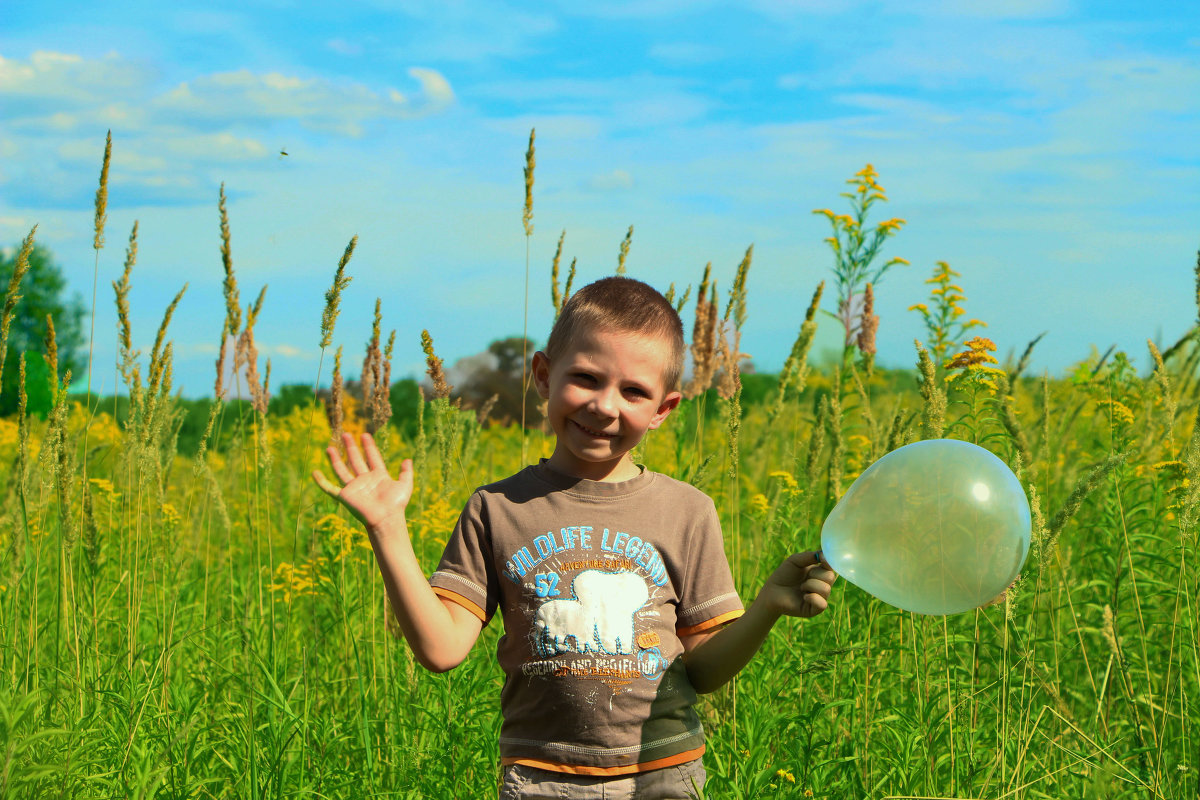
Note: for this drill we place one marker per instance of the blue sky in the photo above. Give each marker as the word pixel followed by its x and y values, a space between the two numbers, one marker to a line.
pixel 1046 149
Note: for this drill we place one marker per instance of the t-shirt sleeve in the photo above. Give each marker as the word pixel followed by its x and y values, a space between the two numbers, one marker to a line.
pixel 708 597
pixel 466 574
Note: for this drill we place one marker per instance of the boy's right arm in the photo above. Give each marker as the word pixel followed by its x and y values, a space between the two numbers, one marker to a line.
pixel 439 632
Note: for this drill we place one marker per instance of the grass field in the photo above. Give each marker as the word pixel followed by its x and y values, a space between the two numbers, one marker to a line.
pixel 208 624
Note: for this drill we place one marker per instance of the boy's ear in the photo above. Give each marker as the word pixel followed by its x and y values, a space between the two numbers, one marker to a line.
pixel 668 404
pixel 541 374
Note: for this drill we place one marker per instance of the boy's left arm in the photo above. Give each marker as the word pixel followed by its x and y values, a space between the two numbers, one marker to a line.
pixel 799 587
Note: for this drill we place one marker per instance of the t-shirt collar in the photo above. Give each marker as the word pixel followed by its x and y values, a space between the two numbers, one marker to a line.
pixel 582 486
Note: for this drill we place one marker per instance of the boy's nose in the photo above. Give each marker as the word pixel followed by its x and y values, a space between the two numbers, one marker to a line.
pixel 604 404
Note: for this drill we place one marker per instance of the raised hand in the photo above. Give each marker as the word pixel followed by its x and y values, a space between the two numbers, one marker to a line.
pixel 800 586
pixel 367 489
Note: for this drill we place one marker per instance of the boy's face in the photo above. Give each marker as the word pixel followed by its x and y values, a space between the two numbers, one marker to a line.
pixel 605 391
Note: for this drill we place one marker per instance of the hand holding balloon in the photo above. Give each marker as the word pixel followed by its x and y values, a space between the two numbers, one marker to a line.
pixel 800 586
pixel 935 527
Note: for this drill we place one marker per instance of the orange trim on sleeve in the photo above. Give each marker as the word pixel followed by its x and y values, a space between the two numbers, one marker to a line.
pixel 630 769
pixel 458 599
pixel 729 616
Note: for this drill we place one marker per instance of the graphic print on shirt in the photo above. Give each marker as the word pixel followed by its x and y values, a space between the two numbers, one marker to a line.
pixel 599 618
pixel 594 609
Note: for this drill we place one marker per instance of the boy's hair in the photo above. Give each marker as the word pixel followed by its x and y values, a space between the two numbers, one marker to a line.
pixel 625 305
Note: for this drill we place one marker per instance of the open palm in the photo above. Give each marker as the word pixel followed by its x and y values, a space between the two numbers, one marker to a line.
pixel 367 488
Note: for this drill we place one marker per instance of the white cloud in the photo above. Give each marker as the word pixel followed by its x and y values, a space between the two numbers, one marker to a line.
pixel 617 179
pixel 217 147
pixel 63 77
pixel 124 159
pixel 284 350
pixel 244 95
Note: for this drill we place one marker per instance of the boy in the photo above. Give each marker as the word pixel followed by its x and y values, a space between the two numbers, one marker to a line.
pixel 615 590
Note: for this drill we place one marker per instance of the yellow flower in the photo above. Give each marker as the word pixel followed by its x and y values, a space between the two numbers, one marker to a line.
pixel 343 535
pixel 170 517
pixel 924 309
pixel 105 488
pixel 1119 411
pixel 785 775
pixel 760 505
pixel 788 479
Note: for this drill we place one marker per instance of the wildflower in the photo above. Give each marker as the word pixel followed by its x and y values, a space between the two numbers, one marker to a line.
pixel 170 517
pixel 975 364
pixel 107 490
pixel 760 505
pixel 943 312
pixel 344 537
pixel 786 477
pixel 855 247
pixel 975 354
pixel 1118 411
pixel 785 775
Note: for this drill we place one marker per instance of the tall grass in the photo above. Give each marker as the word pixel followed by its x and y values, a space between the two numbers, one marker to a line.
pixel 162 646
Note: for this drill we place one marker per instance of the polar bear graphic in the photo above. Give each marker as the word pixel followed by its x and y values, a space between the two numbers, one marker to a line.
pixel 598 619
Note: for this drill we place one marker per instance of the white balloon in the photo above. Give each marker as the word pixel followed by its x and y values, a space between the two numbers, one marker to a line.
pixel 935 527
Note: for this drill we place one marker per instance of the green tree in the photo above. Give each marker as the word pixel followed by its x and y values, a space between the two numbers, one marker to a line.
pixel 43 292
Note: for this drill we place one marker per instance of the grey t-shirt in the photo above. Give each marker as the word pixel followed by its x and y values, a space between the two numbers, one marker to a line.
pixel 596 582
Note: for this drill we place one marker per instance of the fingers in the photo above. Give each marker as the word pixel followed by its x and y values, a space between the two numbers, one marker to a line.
pixel 814 565
pixel 816 602
pixel 339 467
pixel 406 470
pixel 804 560
pixel 374 458
pixel 827 576
pixel 354 454
pixel 324 483
pixel 816 587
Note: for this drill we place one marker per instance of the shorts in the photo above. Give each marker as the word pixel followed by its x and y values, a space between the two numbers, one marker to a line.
pixel 680 782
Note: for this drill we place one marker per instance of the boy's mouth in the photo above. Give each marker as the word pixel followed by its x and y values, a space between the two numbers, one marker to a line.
pixel 593 431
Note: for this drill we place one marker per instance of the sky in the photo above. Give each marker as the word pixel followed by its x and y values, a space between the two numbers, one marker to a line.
pixel 1048 150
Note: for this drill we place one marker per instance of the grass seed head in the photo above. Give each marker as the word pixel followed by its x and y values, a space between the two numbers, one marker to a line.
pixel 736 307
pixel 335 409
pixel 124 328
pixel 869 325
pixel 704 337
pixel 156 361
pixel 441 389
pixel 624 251
pixel 334 295
pixel 51 354
pixel 233 307
pixel 223 349
pixel 102 195
pixel 13 296
pixel 933 416
pixel 555 293
pixel 530 163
